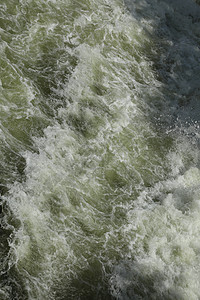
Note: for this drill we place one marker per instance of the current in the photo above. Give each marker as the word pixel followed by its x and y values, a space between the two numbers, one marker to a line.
pixel 100 149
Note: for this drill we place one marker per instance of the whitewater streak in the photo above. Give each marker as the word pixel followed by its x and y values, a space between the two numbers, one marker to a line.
pixel 99 149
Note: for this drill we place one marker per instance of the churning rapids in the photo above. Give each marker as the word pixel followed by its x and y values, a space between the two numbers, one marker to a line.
pixel 99 149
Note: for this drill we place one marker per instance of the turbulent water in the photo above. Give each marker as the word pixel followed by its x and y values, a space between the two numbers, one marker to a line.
pixel 99 149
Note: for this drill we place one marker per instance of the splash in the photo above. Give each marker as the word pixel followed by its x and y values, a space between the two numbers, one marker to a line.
pixel 100 149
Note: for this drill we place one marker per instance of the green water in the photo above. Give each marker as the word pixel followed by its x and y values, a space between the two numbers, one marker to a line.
pixel 99 149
